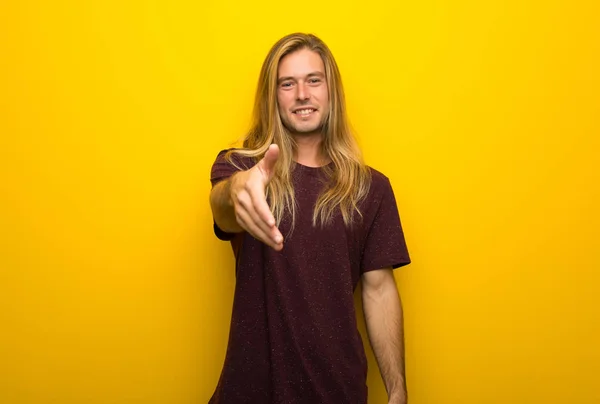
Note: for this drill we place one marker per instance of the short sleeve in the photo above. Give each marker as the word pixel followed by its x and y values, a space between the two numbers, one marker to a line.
pixel 222 170
pixel 385 245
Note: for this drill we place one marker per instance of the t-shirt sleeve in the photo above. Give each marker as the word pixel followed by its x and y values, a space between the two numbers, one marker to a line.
pixel 385 245
pixel 220 171
pixel 223 169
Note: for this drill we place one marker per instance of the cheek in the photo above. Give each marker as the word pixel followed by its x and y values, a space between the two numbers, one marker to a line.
pixel 323 96
pixel 283 100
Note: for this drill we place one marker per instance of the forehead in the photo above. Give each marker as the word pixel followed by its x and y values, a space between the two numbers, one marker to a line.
pixel 301 63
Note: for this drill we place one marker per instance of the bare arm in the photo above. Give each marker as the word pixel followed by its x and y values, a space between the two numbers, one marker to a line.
pixel 384 320
pixel 239 203
pixel 222 207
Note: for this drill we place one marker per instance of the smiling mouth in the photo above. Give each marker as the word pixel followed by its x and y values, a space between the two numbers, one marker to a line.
pixel 304 111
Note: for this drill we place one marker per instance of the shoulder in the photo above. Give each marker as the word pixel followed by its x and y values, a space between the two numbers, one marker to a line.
pixel 380 183
pixel 227 163
pixel 380 189
pixel 235 157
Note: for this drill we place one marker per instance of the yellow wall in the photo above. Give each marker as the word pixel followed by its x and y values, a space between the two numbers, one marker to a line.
pixel 485 115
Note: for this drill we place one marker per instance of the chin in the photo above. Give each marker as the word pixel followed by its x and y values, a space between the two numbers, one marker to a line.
pixel 309 128
pixel 308 131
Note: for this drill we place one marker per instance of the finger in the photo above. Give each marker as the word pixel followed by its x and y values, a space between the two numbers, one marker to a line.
pixel 251 202
pixel 247 224
pixel 261 207
pixel 267 164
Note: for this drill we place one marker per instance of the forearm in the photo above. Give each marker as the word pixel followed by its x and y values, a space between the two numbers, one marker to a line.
pixel 222 207
pixel 384 319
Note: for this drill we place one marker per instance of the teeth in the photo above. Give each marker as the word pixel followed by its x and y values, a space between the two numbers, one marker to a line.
pixel 304 111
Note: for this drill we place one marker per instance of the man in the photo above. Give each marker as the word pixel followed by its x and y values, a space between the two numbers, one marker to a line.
pixel 307 220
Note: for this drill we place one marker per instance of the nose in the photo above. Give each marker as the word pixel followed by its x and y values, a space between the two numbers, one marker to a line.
pixel 303 92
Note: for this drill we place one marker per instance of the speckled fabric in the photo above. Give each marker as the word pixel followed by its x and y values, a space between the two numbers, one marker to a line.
pixel 294 336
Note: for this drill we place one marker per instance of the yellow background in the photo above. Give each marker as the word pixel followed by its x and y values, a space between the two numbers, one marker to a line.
pixel 485 116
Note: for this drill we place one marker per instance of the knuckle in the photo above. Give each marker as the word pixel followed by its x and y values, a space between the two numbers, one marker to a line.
pixel 238 209
pixel 236 196
pixel 238 217
pixel 241 203
pixel 244 199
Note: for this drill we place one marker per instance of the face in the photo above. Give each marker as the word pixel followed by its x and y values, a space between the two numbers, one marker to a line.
pixel 302 92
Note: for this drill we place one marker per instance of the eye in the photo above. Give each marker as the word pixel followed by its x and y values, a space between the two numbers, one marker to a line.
pixel 286 84
pixel 314 80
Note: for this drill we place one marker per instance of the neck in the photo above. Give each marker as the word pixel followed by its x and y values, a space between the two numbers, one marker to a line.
pixel 308 150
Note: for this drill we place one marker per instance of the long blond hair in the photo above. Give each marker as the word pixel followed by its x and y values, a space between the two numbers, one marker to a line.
pixel 349 179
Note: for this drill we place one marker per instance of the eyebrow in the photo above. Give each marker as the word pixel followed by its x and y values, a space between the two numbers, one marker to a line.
pixel 312 74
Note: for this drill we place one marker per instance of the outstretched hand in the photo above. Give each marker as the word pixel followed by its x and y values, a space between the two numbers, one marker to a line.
pixel 247 193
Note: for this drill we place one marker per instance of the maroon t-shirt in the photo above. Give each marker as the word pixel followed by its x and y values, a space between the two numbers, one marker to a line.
pixel 294 336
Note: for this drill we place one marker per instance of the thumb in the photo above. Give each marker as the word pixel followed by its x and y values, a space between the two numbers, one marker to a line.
pixel 267 164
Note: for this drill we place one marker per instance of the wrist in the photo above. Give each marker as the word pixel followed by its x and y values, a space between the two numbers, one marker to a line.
pixel 397 399
pixel 397 396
